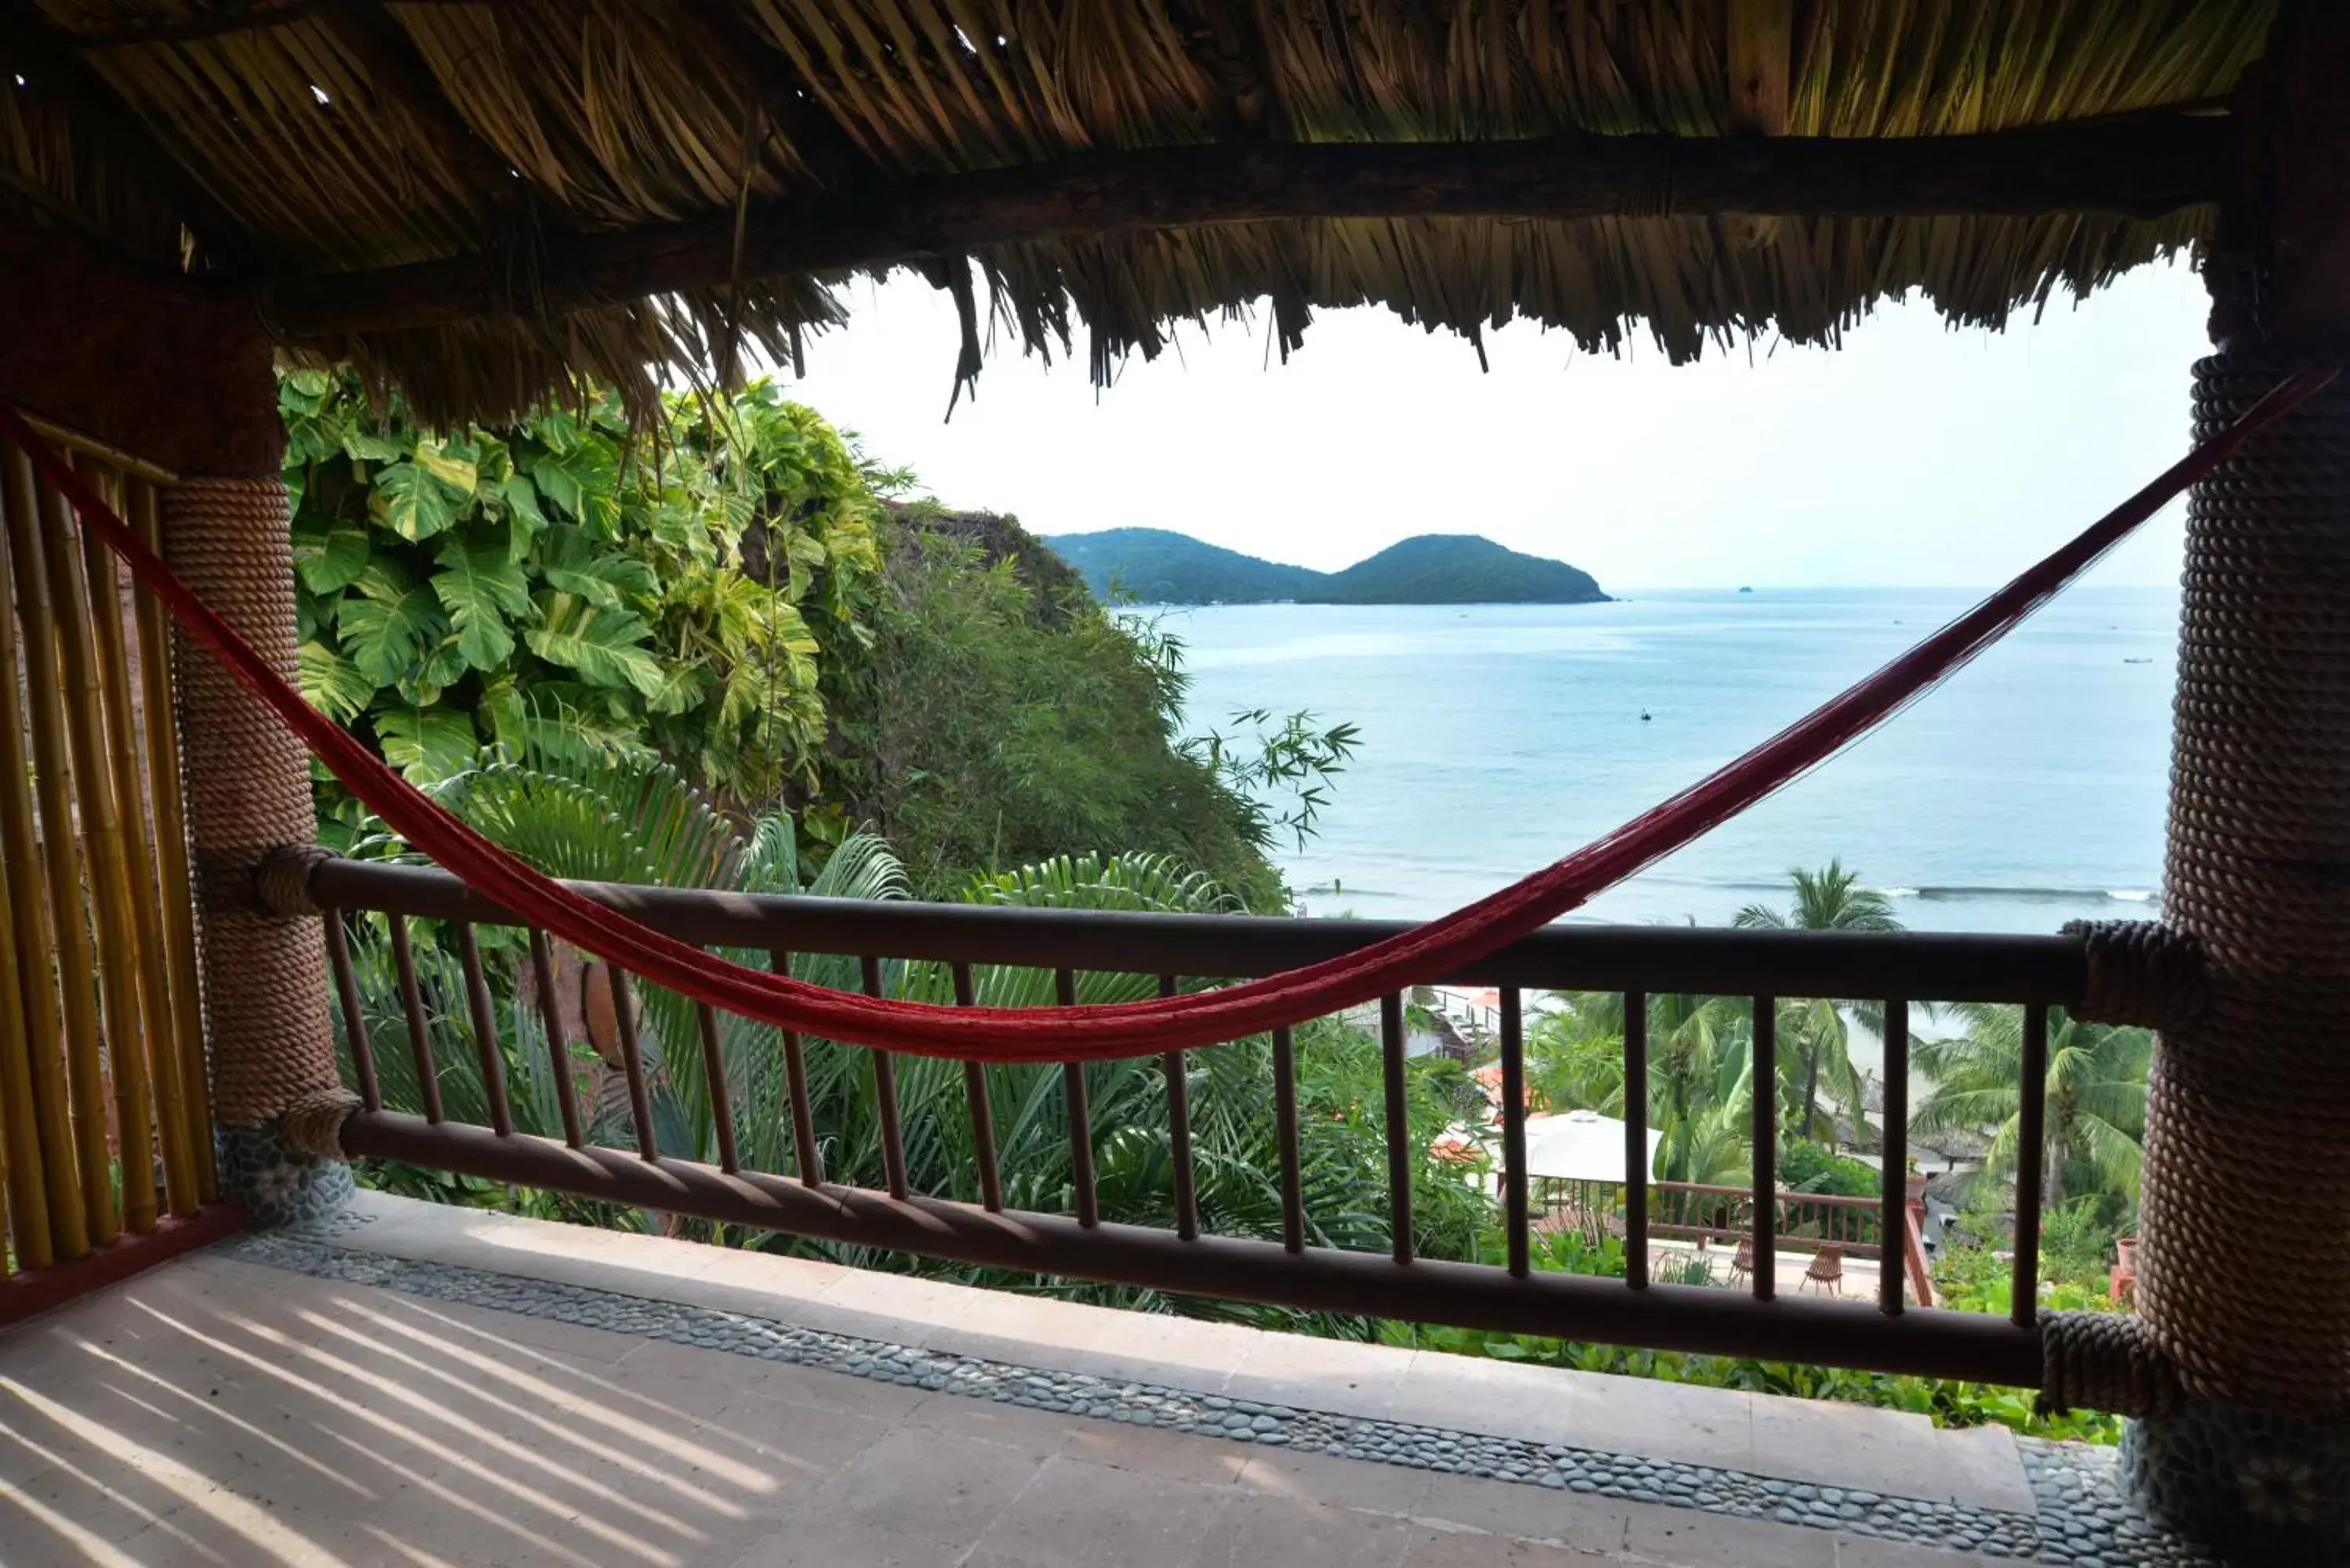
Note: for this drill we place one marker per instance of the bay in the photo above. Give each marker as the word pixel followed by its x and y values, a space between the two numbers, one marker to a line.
pixel 2026 792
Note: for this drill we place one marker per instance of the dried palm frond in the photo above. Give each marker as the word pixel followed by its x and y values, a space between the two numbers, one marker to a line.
pixel 543 121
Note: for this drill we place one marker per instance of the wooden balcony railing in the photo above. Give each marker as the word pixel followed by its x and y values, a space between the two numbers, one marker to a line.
pixel 1892 1333
pixel 1803 1222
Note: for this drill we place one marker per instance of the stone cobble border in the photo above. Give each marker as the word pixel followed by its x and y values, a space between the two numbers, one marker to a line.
pixel 2083 1521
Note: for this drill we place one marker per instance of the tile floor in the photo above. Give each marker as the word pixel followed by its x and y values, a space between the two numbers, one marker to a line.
pixel 218 1412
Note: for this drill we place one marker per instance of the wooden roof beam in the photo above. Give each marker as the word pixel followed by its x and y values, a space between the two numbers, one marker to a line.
pixel 2140 167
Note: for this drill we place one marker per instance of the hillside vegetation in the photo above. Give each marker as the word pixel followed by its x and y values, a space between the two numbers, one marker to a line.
pixel 738 600
pixel 1154 566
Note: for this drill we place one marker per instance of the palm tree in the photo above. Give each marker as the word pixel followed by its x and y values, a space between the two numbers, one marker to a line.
pixel 1700 1092
pixel 2095 1095
pixel 1828 899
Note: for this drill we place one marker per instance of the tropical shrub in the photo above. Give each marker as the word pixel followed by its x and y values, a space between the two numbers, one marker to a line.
pixel 1808 1168
pixel 1003 717
pixel 1948 1402
pixel 542 585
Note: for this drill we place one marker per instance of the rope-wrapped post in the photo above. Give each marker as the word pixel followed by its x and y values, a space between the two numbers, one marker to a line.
pixel 2243 1272
pixel 277 1099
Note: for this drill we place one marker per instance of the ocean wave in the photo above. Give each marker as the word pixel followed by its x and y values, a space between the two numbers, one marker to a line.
pixel 2028 894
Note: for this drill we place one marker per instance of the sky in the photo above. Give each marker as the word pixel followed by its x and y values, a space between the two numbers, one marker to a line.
pixel 1915 455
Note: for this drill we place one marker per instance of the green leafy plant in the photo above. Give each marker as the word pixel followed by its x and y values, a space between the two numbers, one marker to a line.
pixel 545 585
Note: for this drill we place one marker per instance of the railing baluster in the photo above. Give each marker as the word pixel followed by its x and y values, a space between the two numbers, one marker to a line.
pixel 1284 1121
pixel 983 1114
pixel 411 1007
pixel 1514 1218
pixel 1890 1254
pixel 558 1056
pixel 1081 1116
pixel 2029 1157
pixel 1636 1139
pixel 803 1144
pixel 483 1016
pixel 1766 1081
pixel 714 1073
pixel 1179 1132
pixel 1398 1121
pixel 885 1092
pixel 347 990
pixel 632 1060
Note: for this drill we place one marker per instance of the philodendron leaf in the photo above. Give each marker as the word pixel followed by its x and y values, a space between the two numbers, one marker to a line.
pixel 584 480
pixel 480 587
pixel 454 463
pixel 427 744
pixel 572 562
pixel 390 625
pixel 329 556
pixel 332 683
pixel 413 502
pixel 601 645
pixel 524 521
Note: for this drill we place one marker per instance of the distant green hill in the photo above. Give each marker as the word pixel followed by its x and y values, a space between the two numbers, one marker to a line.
pixel 1154 566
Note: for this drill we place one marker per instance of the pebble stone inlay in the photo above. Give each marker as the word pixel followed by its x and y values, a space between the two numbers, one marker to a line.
pixel 2083 1521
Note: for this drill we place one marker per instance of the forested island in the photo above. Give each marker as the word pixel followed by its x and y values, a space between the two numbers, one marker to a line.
pixel 1156 565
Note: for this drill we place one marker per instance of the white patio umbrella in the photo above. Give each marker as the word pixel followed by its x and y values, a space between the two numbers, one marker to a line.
pixel 1581 1146
pixel 1584 1149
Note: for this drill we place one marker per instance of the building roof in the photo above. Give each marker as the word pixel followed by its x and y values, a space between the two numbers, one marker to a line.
pixel 480 200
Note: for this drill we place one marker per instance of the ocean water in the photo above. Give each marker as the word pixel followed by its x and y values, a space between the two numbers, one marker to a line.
pixel 2026 792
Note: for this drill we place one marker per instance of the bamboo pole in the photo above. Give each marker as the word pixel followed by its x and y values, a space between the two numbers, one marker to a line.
pixel 44 1195
pixel 58 858
pixel 141 902
pixel 160 692
pixel 21 1172
pixel 106 863
pixel 31 952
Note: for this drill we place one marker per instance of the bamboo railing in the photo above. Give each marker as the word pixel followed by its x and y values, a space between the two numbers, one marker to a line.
pixel 105 1122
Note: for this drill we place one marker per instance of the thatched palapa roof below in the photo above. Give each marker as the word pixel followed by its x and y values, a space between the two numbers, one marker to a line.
pixel 481 201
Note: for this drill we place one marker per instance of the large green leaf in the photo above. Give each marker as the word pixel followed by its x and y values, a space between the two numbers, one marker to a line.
pixel 427 744
pixel 481 586
pixel 604 577
pixel 524 521
pixel 584 480
pixel 414 501
pixel 391 625
pixel 602 645
pixel 332 683
pixel 329 555
pixel 456 465
pixel 368 447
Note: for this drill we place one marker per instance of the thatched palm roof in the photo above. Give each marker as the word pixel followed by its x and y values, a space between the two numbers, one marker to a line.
pixel 481 200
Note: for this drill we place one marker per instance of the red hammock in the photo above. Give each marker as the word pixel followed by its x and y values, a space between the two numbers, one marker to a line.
pixel 1142 1028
